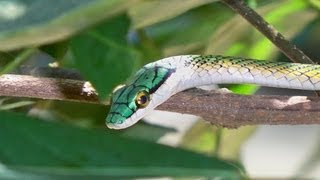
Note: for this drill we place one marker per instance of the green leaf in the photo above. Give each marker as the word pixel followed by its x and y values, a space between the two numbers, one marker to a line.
pixel 279 17
pixel 56 50
pixel 37 22
pixel 18 104
pixel 152 12
pixel 200 138
pixel 38 148
pixel 278 13
pixel 189 31
pixel 232 140
pixel 103 55
pixel 19 59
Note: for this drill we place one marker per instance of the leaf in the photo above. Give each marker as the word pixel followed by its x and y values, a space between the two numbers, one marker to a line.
pixel 19 59
pixel 280 17
pixel 16 105
pixel 232 140
pixel 38 148
pixel 189 31
pixel 147 132
pixel 37 22
pixel 236 30
pixel 152 12
pixel 200 138
pixel 56 50
pixel 103 55
pixel 223 142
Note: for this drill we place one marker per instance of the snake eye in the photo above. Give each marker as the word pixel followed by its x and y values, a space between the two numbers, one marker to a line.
pixel 142 99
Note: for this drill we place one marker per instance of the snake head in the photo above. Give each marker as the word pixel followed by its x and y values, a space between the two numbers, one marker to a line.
pixel 127 102
pixel 141 95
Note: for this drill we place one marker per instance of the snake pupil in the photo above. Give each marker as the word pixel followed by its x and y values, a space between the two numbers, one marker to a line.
pixel 142 99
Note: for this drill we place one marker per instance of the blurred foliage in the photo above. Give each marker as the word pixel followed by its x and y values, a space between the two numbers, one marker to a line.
pixel 107 41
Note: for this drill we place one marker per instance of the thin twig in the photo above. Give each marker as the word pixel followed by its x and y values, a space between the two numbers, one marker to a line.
pixel 290 50
pixel 223 109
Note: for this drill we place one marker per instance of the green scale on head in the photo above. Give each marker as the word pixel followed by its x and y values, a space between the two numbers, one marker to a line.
pixel 136 95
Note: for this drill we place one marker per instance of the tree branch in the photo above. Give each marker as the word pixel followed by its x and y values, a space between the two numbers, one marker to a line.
pixel 47 88
pixel 231 110
pixel 223 109
pixel 290 50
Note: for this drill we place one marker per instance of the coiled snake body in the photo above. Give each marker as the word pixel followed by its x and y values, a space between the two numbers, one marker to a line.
pixel 156 82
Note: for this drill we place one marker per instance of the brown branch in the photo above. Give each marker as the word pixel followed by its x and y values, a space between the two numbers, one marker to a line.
pixel 231 110
pixel 47 88
pixel 290 50
pixel 223 109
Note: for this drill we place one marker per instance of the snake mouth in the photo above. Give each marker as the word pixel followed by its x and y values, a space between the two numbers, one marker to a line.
pixel 126 123
pixel 115 126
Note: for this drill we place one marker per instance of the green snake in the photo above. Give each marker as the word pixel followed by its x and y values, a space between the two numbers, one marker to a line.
pixel 154 83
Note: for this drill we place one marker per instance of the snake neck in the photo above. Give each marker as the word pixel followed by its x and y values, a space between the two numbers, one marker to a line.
pixel 195 70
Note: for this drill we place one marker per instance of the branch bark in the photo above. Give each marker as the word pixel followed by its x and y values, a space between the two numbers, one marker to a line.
pixel 47 88
pixel 232 111
pixel 216 107
pixel 290 50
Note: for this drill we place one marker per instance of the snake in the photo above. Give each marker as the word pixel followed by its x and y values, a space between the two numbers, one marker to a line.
pixel 157 81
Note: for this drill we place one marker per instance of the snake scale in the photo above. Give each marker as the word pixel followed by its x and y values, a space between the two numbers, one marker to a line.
pixel 157 81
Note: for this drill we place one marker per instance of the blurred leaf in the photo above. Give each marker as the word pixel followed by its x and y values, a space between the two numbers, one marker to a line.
pixel 92 116
pixel 16 105
pixel 147 132
pixel 147 47
pixel 24 55
pixel 103 55
pixel 152 12
pixel 83 114
pixel 238 30
pixel 315 3
pixel 200 138
pixel 41 148
pixel 56 50
pixel 5 58
pixel 189 32
pixel 232 140
pixel 213 140
pixel 310 163
pixel 243 88
pixel 36 22
pixel 279 17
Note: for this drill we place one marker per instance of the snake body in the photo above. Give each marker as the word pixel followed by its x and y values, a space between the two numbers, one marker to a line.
pixel 157 81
